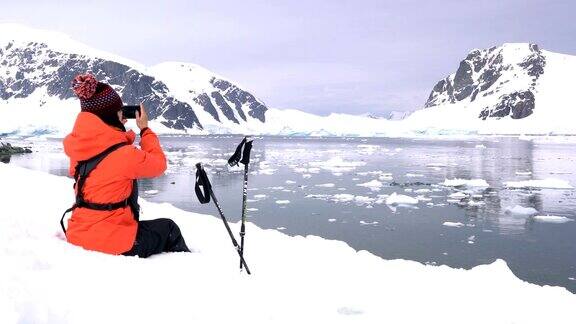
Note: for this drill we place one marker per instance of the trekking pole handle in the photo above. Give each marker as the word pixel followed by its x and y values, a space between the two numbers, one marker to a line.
pixel 246 152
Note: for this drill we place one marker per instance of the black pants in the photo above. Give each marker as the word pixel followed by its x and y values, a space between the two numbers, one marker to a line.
pixel 157 236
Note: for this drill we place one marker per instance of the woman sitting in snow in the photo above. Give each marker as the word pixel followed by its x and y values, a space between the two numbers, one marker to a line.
pixel 105 216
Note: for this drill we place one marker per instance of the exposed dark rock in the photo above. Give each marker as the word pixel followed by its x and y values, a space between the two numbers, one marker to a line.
pixel 204 101
pixel 535 63
pixel 224 107
pixel 239 98
pixel 7 150
pixel 463 76
pixel 517 105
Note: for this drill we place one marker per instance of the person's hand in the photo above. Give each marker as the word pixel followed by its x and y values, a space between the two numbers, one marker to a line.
pixel 142 119
pixel 121 117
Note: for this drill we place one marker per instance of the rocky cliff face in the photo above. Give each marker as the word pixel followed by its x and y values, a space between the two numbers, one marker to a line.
pixel 506 76
pixel 33 66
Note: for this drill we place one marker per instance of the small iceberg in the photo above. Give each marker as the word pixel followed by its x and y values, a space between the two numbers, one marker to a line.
pixel 396 199
pixel 453 224
pixel 519 210
pixel 465 183
pixel 458 195
pixel 326 185
pixel 552 219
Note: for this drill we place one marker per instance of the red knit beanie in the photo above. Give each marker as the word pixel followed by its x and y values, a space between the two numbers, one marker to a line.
pixel 97 98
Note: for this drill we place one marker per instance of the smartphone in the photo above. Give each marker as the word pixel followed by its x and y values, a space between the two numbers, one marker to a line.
pixel 129 112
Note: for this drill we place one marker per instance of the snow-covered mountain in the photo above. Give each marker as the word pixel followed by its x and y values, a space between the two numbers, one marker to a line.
pixel 36 69
pixel 514 88
pixel 508 75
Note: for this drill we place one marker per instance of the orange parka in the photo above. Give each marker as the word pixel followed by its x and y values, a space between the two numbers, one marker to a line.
pixel 113 231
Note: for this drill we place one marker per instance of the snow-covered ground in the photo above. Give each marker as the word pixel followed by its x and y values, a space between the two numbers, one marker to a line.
pixel 298 279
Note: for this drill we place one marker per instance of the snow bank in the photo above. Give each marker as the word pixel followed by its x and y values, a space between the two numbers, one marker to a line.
pixel 298 279
pixel 549 183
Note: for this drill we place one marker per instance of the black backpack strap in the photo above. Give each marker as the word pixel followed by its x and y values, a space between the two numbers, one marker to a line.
pixel 83 169
pixel 203 193
pixel 63 215
pixel 133 200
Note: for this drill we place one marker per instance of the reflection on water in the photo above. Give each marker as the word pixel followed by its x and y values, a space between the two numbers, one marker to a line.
pixel 337 189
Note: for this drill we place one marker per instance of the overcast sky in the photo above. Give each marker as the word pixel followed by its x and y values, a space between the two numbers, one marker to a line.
pixel 317 56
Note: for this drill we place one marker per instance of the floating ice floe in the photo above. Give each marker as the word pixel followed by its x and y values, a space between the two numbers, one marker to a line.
pixel 458 195
pixel 471 239
pixel 465 182
pixel 396 199
pixel 260 196
pixel 282 202
pixel 386 177
pixel 367 149
pixel 325 185
pixel 373 185
pixel 519 210
pixel 368 223
pixel 453 224
pixel 252 209
pixel 549 183
pixel 318 196
pixel 306 176
pixel 337 164
pixel 414 175
pixel 521 173
pixel 266 171
pixel 480 146
pixel 363 200
pixel 343 197
pixel 151 192
pixel 331 220
pixel 436 165
pixel 290 182
pixel 552 219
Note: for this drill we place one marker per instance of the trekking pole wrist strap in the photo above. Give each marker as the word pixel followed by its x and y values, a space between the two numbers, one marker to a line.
pixel 202 187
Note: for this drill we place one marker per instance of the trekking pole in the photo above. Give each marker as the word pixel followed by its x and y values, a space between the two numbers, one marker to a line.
pixel 204 195
pixel 244 147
